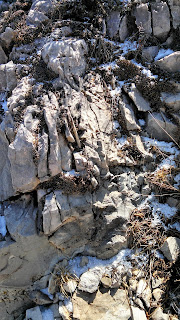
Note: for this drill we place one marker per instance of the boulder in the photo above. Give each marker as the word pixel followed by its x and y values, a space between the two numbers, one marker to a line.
pixel 171 248
pixel 113 23
pixel 51 215
pixel 171 100
pixel 6 188
pixel 160 127
pixel 20 154
pixel 35 18
pixel 149 53
pixel 8 79
pixel 43 6
pixel 129 117
pixel 137 313
pixel 143 17
pixel 105 306
pixel 89 281
pixel 8 36
pixel 160 20
pixel 123 29
pixel 141 104
pixel 65 58
pixel 170 63
pixel 3 57
pixel 34 314
pixel 159 315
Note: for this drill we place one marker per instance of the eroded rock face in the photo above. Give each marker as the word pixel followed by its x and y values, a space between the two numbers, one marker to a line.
pixel 161 20
pixel 170 63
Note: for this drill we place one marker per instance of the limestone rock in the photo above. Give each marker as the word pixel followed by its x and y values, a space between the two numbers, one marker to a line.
pixel 89 281
pixel 171 248
pixel 113 22
pixel 6 188
pixel 43 157
pixel 170 63
pixel 129 117
pixel 65 58
pixel 137 313
pixel 3 57
pixel 19 93
pixel 8 79
pixel 172 100
pixel 150 53
pixel 34 314
pixel 21 219
pixel 66 157
pixel 70 286
pixel 43 6
pixel 158 294
pixel 39 297
pixel 7 36
pixel 141 104
pixel 35 18
pixel 80 161
pixel 123 29
pixel 23 169
pixel 157 123
pixel 143 17
pixel 51 215
pixel 101 306
pixel 159 315
pixel 160 20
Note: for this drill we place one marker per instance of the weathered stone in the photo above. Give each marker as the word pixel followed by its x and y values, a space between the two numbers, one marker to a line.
pixel 51 113
pixel 158 294
pixel 101 306
pixel 35 18
pixel 64 313
pixel 171 248
pixel 160 127
pixel 171 100
pixel 70 286
pixel 23 169
pixel 43 6
pixel 34 314
pixel 113 22
pixel 80 161
pixel 143 18
pixel 51 215
pixel 170 63
pixel 129 117
pixel 139 144
pixel 106 281
pixel 159 315
pixel 66 156
pixel 43 154
pixel 3 57
pixel 21 219
pixel 7 36
pixel 19 94
pixel 137 313
pixel 6 188
pixel 89 281
pixel 150 53
pixel 123 29
pixel 39 297
pixel 160 20
pixel 65 58
pixel 8 79
pixel 141 104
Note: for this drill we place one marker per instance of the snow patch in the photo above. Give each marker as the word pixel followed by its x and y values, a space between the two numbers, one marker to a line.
pixel 47 314
pixel 45 291
pixel 142 122
pixel 3 102
pixel 163 53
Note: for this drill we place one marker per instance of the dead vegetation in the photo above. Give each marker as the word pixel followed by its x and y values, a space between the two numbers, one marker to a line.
pixel 162 180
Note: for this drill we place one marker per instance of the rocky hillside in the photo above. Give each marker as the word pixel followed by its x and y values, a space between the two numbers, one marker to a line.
pixel 90 159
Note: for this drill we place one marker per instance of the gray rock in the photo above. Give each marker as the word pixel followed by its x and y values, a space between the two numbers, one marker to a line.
pixel 175 12
pixel 141 104
pixel 35 18
pixel 123 29
pixel 43 6
pixel 159 315
pixel 137 313
pixel 3 57
pixel 129 117
pixel 172 100
pixel 170 63
pixel 70 286
pixel 80 161
pixel 8 80
pixel 158 294
pixel 43 157
pixel 19 93
pixel 160 127
pixel 160 20
pixel 21 219
pixel 143 18
pixel 7 36
pixel 39 297
pixel 150 53
pixel 89 281
pixel 23 169
pixel 34 314
pixel 171 248
pixel 113 23
pixel 51 215
pixel 65 58
pixel 66 156
pixel 6 188
pixel 51 115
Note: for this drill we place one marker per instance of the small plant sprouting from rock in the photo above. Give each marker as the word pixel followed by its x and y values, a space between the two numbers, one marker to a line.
pixel 62 276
